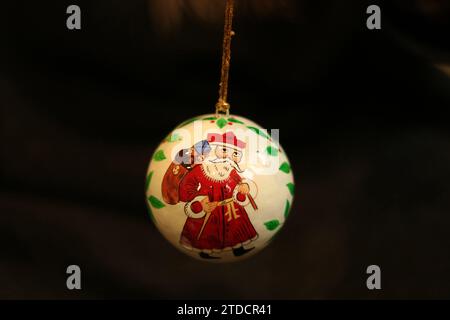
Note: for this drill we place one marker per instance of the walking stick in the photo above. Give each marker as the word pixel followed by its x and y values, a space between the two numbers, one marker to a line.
pixel 252 202
pixel 208 214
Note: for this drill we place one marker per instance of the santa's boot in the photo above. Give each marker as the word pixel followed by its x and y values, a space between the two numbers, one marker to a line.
pixel 241 251
pixel 204 255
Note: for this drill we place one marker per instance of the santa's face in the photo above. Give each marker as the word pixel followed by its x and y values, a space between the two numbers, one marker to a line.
pixel 218 165
pixel 224 152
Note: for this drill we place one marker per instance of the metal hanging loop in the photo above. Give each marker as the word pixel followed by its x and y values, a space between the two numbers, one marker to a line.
pixel 222 106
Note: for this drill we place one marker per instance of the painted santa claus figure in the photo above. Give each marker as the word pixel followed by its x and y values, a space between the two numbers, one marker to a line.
pixel 215 195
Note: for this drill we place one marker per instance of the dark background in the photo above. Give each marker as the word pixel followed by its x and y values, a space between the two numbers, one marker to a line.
pixel 363 117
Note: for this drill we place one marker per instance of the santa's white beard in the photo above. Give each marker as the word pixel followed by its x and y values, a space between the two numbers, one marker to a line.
pixel 219 169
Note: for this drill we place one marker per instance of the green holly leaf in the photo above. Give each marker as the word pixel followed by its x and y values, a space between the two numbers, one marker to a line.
pixel 291 188
pixel 148 180
pixel 189 121
pixel 259 131
pixel 285 167
pixel 174 137
pixel 210 119
pixel 222 122
pixel 155 202
pixel 272 225
pixel 235 120
pixel 272 151
pixel 159 156
pixel 286 209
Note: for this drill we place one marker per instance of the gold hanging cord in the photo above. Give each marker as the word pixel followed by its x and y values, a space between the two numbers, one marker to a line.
pixel 222 106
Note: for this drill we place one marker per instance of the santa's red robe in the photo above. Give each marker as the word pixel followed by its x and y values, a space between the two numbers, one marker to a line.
pixel 228 226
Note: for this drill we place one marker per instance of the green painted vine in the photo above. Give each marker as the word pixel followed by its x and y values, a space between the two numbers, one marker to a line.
pixel 272 225
pixel 159 156
pixel 148 180
pixel 291 188
pixel 285 167
pixel 156 203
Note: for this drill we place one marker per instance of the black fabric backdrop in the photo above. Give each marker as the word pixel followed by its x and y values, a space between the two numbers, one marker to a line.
pixel 363 117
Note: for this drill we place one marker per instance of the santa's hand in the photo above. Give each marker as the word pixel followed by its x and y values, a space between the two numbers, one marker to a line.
pixel 244 188
pixel 208 206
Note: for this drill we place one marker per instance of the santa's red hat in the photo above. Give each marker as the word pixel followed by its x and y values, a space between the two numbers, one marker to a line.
pixel 228 139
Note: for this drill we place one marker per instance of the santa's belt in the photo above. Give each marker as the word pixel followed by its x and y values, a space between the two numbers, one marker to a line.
pixel 230 212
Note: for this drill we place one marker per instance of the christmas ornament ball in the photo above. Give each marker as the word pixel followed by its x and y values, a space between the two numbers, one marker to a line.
pixel 219 187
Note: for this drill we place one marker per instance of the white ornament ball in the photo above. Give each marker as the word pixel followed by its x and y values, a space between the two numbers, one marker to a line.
pixel 219 188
